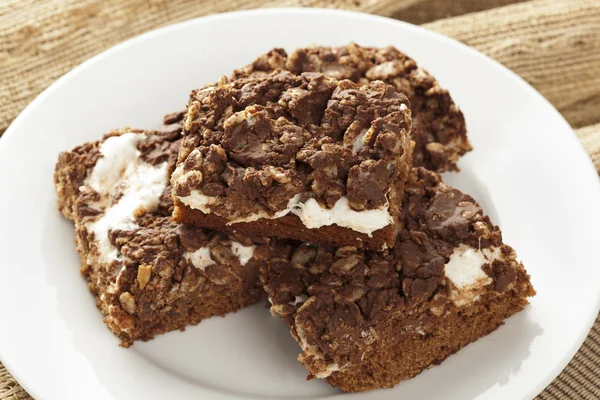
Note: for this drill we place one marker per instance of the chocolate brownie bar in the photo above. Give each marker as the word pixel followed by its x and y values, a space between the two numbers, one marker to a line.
pixel 149 275
pixel 438 128
pixel 295 156
pixel 367 320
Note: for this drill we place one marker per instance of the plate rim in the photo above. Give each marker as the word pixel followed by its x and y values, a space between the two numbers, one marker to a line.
pixel 20 374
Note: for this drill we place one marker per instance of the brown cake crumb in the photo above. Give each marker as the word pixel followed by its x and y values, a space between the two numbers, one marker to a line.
pixel 438 129
pixel 323 153
pixel 367 320
pixel 149 274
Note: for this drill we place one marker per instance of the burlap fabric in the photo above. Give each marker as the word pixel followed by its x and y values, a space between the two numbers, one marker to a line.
pixel 553 44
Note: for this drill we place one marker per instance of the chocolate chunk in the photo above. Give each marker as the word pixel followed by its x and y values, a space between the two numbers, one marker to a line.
pixel 173 118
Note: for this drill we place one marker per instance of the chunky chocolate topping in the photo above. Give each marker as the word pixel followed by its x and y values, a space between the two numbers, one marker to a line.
pixel 251 144
pixel 435 220
pixel 439 129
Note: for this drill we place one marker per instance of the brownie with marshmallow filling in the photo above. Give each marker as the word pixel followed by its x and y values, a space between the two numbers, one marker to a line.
pixel 367 320
pixel 305 157
pixel 149 275
pixel 438 129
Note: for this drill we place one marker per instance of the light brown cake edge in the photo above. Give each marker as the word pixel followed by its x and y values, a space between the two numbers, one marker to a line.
pixel 288 227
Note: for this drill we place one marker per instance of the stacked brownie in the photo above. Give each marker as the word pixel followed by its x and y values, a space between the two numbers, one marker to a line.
pixel 438 130
pixel 303 157
pixel 311 178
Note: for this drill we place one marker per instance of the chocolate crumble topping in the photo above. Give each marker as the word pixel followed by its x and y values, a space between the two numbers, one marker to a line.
pixel 438 128
pixel 254 143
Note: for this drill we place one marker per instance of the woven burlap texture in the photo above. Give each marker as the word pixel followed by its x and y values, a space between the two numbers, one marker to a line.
pixel 553 44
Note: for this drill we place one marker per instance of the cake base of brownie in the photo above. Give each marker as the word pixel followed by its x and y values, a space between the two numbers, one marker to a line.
pixel 188 311
pixel 289 226
pixel 151 319
pixel 394 363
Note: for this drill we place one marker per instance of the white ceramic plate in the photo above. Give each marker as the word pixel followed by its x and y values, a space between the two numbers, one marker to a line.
pixel 528 169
